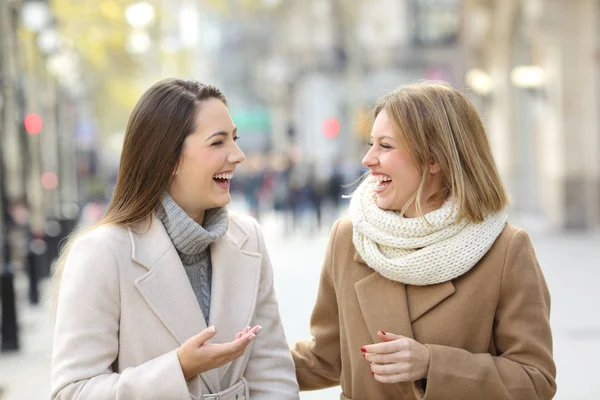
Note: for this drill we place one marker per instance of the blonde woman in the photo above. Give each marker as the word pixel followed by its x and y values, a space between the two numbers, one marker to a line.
pixel 426 292
pixel 171 297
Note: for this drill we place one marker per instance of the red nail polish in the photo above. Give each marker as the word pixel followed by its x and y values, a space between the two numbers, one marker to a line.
pixel 364 356
pixel 363 349
pixel 383 333
pixel 373 373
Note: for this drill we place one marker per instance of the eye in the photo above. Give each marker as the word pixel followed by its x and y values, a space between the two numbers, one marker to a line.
pixel 235 139
pixel 217 144
pixel 370 144
pixel 386 146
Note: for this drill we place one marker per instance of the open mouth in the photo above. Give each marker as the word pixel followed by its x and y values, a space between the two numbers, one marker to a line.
pixel 223 180
pixel 381 182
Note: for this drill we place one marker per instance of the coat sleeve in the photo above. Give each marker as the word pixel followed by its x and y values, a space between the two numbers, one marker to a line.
pixel 86 339
pixel 524 368
pixel 318 360
pixel 270 369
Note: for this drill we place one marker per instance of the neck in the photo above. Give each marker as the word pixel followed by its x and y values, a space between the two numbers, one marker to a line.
pixel 427 206
pixel 430 199
pixel 193 212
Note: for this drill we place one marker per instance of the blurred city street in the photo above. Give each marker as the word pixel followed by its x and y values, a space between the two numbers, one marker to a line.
pixel 569 262
pixel 301 78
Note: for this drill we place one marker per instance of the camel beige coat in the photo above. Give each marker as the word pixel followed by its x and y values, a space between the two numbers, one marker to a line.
pixel 488 331
pixel 126 304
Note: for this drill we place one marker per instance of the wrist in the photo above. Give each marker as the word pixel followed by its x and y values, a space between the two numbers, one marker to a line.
pixel 183 364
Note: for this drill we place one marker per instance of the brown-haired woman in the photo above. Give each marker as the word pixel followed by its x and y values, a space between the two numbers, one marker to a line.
pixel 426 292
pixel 151 302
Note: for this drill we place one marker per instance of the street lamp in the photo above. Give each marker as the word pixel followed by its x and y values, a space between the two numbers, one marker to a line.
pixel 140 15
pixel 35 15
pixel 528 76
pixel 139 42
pixel 48 41
pixel 480 81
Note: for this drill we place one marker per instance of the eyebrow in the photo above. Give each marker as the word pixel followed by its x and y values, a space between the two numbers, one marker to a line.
pixel 222 133
pixel 383 137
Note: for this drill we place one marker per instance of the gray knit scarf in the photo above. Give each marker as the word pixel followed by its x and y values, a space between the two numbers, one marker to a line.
pixel 192 242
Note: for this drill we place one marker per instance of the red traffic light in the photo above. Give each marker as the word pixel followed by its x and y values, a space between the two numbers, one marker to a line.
pixel 330 127
pixel 33 124
pixel 49 180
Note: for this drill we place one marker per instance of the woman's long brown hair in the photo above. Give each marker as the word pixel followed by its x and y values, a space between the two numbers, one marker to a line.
pixel 161 120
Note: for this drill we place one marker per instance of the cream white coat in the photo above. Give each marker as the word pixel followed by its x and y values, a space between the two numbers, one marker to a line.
pixel 126 305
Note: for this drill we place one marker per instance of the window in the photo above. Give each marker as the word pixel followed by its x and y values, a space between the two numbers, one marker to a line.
pixel 435 22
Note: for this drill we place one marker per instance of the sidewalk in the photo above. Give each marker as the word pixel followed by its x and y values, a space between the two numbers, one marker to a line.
pixel 25 375
pixel 571 265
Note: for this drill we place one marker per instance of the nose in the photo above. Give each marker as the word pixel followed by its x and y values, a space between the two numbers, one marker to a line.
pixel 236 156
pixel 370 159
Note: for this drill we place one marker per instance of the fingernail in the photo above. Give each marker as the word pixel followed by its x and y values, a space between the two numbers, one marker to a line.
pixel 252 336
pixel 258 329
pixel 373 373
pixel 363 349
pixel 212 329
pixel 383 333
pixel 364 356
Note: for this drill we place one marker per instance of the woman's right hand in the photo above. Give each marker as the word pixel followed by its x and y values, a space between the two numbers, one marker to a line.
pixel 197 356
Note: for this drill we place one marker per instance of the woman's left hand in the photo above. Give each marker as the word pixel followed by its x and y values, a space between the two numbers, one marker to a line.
pixel 397 359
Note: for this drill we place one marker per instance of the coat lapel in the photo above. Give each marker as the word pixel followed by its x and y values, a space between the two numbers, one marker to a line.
pixel 421 299
pixel 383 303
pixel 167 290
pixel 236 277
pixel 415 300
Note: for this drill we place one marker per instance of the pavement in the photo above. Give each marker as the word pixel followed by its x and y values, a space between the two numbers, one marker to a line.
pixel 571 264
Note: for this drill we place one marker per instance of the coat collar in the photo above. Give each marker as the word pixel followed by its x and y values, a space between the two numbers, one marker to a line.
pixel 149 243
pixel 415 300
pixel 167 290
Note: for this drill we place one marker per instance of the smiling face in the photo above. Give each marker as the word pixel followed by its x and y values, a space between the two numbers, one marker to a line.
pixel 391 165
pixel 397 172
pixel 207 163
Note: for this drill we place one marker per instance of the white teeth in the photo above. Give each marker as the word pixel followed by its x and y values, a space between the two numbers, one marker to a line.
pixel 223 176
pixel 380 178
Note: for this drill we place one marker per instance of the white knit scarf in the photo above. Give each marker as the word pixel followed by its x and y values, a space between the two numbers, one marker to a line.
pixel 409 250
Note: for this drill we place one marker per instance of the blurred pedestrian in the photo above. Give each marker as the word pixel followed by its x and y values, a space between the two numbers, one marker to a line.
pixel 253 183
pixel 153 302
pixel 426 291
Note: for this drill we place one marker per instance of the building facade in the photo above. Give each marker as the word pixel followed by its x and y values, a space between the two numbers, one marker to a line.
pixel 542 106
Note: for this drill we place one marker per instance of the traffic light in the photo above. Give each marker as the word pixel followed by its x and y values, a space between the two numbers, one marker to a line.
pixel 49 180
pixel 33 124
pixel 330 127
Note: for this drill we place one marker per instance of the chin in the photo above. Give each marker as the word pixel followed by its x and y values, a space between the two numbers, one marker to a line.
pixel 387 205
pixel 223 201
pixel 381 203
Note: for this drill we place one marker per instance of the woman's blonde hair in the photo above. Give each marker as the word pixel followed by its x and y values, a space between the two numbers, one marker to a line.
pixel 161 120
pixel 437 123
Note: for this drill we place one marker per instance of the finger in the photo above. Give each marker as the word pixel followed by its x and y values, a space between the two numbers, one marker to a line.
pixel 205 335
pixel 239 335
pixel 395 378
pixel 239 344
pixel 255 329
pixel 388 336
pixel 388 369
pixel 385 347
pixel 246 329
pixel 383 358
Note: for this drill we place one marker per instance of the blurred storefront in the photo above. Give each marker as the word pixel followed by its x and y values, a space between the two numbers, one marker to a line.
pixel 535 68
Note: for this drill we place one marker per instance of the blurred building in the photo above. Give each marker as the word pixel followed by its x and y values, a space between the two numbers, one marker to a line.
pixel 531 67
pixel 332 59
pixel 536 69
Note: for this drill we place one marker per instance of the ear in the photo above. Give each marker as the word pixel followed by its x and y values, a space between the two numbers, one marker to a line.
pixel 434 167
